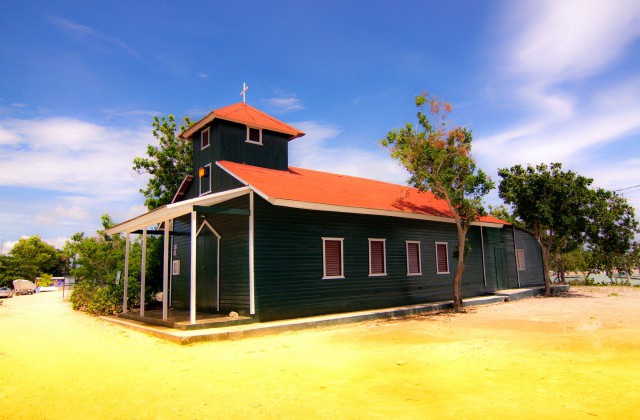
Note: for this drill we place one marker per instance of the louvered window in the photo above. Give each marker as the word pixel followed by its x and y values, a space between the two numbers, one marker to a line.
pixel 333 258
pixel 377 260
pixel 413 258
pixel 442 258
pixel 520 259
pixel 254 135
pixel 204 138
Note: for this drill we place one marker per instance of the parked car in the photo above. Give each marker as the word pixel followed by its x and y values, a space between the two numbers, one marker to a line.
pixel 22 286
pixel 6 292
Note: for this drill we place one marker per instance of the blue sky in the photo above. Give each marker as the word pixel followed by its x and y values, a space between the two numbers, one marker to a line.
pixel 536 81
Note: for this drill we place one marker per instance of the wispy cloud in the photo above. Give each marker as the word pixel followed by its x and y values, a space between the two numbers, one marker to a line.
pixel 95 38
pixel 284 104
pixel 117 112
pixel 320 149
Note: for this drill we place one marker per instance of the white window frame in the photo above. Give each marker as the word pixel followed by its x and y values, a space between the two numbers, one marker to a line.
pixel 324 258
pixel 176 268
pixel 419 273
pixel 446 244
pixel 384 257
pixel 520 262
pixel 260 135
pixel 202 146
pixel 208 165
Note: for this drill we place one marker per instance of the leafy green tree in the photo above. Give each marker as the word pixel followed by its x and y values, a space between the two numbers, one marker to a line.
pixel 167 164
pixel 612 230
pixel 551 203
pixel 96 258
pixel 438 157
pixel 29 258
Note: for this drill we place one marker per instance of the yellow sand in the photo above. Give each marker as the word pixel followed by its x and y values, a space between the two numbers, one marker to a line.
pixel 571 357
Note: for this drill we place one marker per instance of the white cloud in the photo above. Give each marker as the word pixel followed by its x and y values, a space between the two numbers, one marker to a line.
pixel 67 173
pixel 285 104
pixel 320 149
pixel 570 39
pixel 72 156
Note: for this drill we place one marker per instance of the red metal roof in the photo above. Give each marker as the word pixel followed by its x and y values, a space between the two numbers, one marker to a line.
pixel 244 114
pixel 327 189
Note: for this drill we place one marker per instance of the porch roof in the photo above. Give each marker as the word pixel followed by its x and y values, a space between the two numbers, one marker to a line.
pixel 171 211
pixel 316 190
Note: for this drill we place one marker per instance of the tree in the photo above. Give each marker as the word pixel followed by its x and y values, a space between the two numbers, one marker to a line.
pixel 29 258
pixel 167 163
pixel 551 203
pixel 96 258
pixel 612 230
pixel 438 157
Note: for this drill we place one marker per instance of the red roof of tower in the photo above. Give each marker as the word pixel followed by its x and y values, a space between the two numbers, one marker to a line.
pixel 244 114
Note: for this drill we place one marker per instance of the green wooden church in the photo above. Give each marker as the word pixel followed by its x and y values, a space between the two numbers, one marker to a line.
pixel 250 234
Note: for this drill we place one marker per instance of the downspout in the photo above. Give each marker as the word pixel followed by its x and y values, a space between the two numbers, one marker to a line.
pixel 515 254
pixel 484 269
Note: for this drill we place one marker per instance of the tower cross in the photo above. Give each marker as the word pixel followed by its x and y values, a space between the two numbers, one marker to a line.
pixel 244 92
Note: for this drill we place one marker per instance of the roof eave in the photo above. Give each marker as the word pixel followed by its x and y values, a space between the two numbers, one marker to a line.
pixel 171 211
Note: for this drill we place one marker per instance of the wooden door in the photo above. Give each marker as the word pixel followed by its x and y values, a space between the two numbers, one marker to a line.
pixel 500 267
pixel 207 287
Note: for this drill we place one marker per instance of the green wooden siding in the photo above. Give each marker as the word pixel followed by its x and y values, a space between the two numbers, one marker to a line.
pixel 533 274
pixel 288 262
pixel 228 142
pixel 234 261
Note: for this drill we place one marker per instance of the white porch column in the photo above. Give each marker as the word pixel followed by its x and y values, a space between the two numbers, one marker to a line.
pixel 125 297
pixel 192 301
pixel 252 300
pixel 143 270
pixel 165 273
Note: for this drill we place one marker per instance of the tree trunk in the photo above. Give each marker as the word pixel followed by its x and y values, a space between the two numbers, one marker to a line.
pixel 457 280
pixel 545 262
pixel 626 270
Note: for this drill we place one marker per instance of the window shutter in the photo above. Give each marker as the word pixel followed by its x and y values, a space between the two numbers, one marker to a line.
pixel 520 259
pixel 204 139
pixel 413 258
pixel 376 257
pixel 441 258
pixel 333 258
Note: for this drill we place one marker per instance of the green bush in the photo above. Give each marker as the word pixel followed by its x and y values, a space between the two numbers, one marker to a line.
pixel 100 300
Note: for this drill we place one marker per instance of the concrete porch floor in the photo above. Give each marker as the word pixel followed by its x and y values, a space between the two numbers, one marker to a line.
pixel 204 331
pixel 178 319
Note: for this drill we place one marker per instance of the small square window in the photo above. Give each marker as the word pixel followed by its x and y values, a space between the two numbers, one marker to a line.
pixel 176 268
pixel 333 261
pixel 254 135
pixel 377 257
pixel 442 258
pixel 414 267
pixel 204 138
pixel 520 259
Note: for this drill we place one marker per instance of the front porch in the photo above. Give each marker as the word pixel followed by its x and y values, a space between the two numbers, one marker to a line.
pixel 180 320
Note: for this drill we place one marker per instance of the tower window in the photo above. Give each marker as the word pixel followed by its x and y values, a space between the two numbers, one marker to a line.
pixel 254 135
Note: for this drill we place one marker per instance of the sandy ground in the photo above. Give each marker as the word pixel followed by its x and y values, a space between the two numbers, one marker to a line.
pixel 564 357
